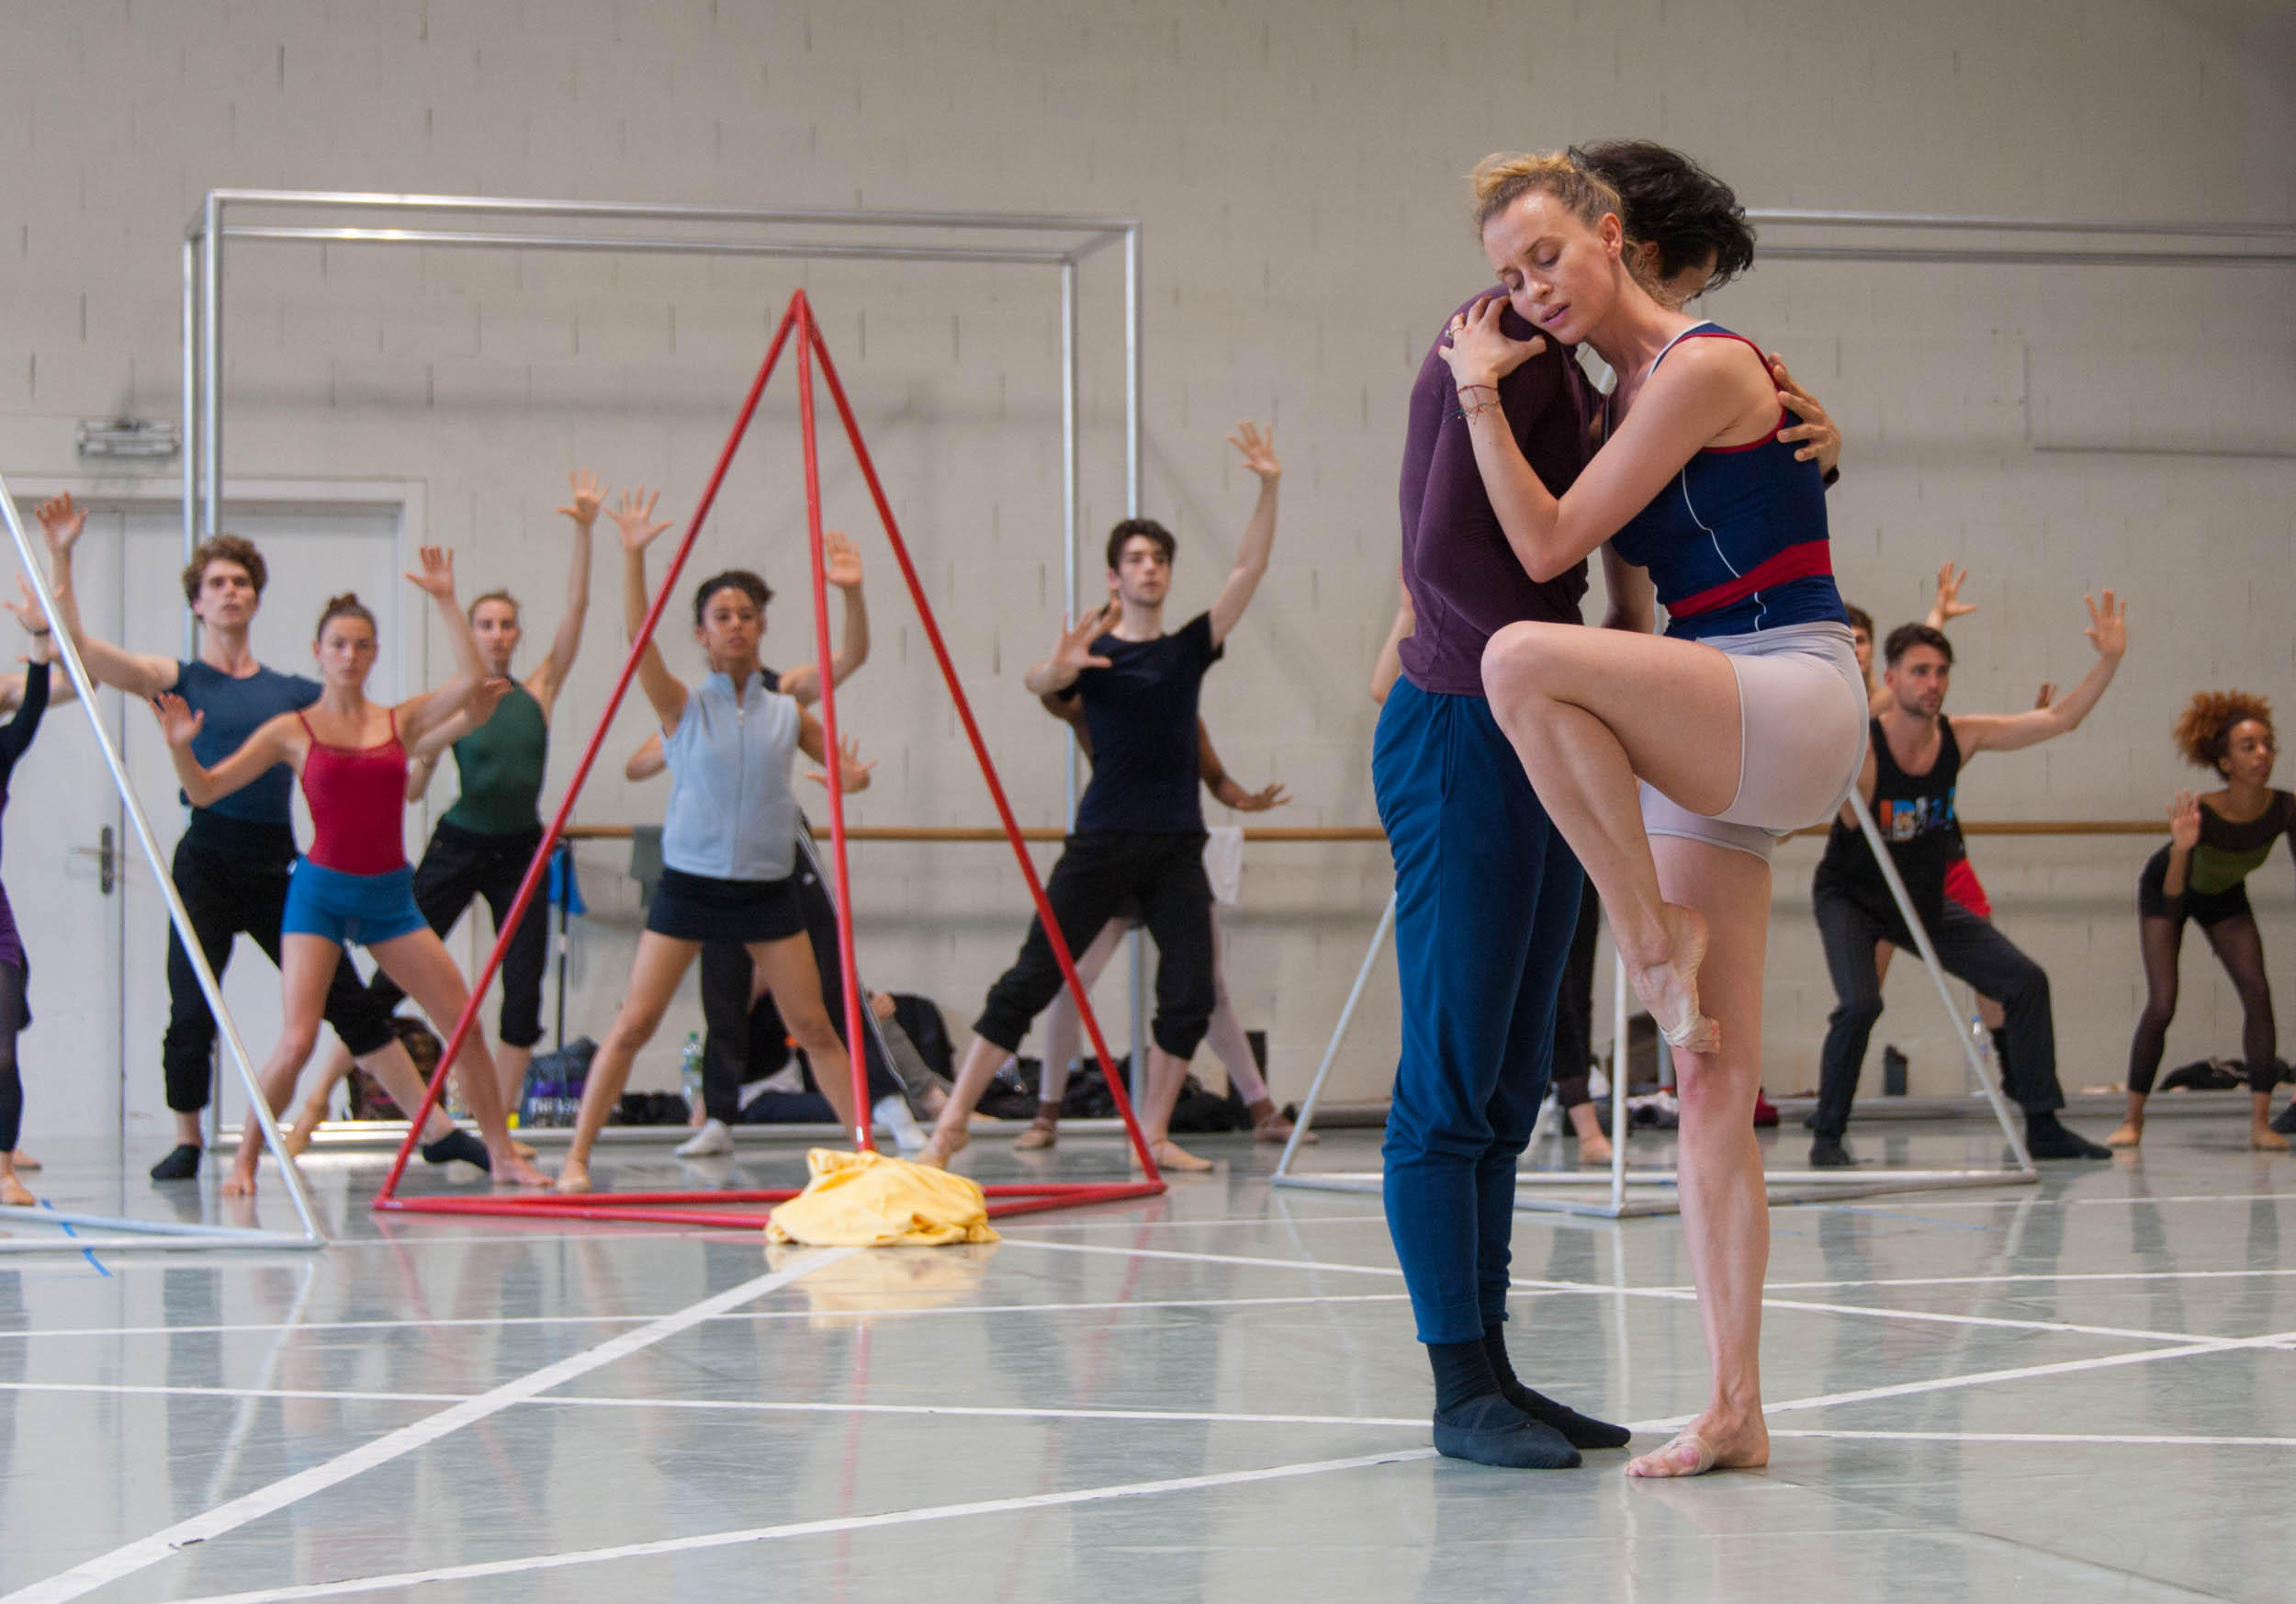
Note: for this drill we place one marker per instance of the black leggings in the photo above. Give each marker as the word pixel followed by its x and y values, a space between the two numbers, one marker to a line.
pixel 2240 950
pixel 12 1019
pixel 460 866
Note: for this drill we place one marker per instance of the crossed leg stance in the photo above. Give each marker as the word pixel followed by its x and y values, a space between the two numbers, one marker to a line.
pixel 1595 716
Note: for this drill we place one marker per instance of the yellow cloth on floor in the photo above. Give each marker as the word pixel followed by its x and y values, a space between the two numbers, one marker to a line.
pixel 868 1200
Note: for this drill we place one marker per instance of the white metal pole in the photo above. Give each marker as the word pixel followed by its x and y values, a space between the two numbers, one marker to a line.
pixel 1937 975
pixel 74 669
pixel 1339 1033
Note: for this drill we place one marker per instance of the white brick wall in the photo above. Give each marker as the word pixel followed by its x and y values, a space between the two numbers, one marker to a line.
pixel 1297 167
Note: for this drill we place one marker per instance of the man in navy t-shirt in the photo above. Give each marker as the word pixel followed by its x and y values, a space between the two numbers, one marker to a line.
pixel 231 866
pixel 1138 834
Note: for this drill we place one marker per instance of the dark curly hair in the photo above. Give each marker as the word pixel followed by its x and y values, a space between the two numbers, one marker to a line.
pixel 1675 204
pixel 2206 724
pixel 232 548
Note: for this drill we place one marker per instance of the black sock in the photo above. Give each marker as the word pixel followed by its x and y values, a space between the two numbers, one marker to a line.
pixel 1462 1371
pixel 1579 1431
pixel 459 1144
pixel 183 1163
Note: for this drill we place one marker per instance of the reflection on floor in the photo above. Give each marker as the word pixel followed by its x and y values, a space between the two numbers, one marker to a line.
pixel 2084 1389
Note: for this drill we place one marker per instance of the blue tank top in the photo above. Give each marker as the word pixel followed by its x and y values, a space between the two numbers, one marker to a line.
pixel 731 815
pixel 235 708
pixel 1736 543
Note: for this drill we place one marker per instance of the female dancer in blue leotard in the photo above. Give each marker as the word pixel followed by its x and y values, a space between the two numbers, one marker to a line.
pixel 1670 763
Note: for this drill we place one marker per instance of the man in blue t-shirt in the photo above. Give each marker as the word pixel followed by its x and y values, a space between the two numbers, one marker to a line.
pixel 1139 833
pixel 231 866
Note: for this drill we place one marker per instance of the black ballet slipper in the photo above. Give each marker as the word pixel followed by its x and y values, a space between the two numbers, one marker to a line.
pixel 2045 1138
pixel 1579 1431
pixel 459 1144
pixel 1827 1153
pixel 183 1163
pixel 1490 1430
pixel 2284 1121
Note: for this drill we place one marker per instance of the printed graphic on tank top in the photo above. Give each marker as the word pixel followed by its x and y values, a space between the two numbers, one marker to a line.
pixel 1736 542
pixel 1915 815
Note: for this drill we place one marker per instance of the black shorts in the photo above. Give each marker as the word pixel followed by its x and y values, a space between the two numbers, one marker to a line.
pixel 697 908
pixel 2206 909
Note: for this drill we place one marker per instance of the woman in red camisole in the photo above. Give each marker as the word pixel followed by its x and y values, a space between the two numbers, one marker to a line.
pixel 355 885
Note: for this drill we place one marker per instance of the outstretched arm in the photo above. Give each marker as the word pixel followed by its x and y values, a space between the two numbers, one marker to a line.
pixel 1071 654
pixel 1703 392
pixel 276 741
pixel 547 681
pixel 1251 557
pixel 634 519
pixel 133 673
pixel 1949 606
pixel 16 735
pixel 842 568
pixel 851 772
pixel 422 755
pixel 2107 631
pixel 419 715
pixel 1225 788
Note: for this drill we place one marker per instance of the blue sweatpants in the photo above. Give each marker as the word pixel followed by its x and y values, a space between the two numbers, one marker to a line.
pixel 1486 899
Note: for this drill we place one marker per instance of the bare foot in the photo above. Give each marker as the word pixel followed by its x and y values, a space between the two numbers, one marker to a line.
pixel 1712 1442
pixel 240 1181
pixel 523 1150
pixel 1596 1149
pixel 1669 989
pixel 1268 1123
pixel 2263 1138
pixel 573 1176
pixel 1169 1155
pixel 2128 1136
pixel 941 1146
pixel 22 1161
pixel 510 1168
pixel 15 1194
pixel 297 1136
pixel 1041 1133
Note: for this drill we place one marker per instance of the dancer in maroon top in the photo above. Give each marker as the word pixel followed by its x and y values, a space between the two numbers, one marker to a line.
pixel 356 885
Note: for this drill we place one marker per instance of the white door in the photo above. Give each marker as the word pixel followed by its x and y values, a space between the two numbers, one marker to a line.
pixel 62 810
pixel 312 552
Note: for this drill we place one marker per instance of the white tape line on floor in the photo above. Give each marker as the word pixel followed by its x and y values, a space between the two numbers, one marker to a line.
pixel 129 1558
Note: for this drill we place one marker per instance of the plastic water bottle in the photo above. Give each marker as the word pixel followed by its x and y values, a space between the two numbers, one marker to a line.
pixel 690 1069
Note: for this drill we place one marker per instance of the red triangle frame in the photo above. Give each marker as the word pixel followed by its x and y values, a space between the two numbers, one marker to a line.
pixel 712 1208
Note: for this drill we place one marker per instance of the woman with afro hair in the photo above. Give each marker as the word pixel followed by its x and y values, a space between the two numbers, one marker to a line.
pixel 2215 843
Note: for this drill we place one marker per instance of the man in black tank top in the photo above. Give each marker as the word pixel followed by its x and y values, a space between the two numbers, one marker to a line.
pixel 1912 770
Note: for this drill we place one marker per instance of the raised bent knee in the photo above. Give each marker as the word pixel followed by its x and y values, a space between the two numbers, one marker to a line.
pixel 1511 663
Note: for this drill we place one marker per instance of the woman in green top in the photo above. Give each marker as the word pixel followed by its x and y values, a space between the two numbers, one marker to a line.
pixel 2215 843
pixel 483 844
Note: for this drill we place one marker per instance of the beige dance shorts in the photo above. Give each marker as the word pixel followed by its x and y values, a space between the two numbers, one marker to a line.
pixel 1802 732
